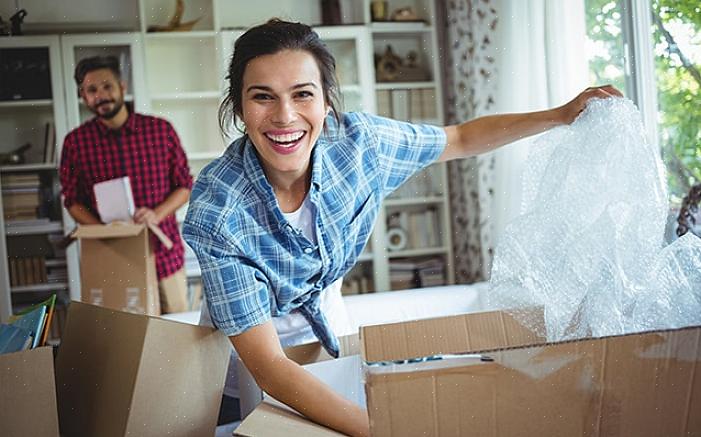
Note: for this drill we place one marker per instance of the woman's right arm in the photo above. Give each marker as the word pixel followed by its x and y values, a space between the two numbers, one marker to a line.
pixel 286 381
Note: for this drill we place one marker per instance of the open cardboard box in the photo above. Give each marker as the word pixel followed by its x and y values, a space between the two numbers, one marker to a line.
pixel 121 374
pixel 118 267
pixel 28 394
pixel 517 384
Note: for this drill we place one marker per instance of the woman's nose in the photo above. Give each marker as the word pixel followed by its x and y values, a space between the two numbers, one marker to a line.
pixel 284 112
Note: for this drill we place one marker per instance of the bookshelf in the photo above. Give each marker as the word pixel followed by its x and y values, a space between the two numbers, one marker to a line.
pixel 32 111
pixel 180 76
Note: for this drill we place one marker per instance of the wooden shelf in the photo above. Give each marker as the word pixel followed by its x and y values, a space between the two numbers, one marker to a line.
pixel 431 200
pixel 389 86
pixel 47 228
pixel 28 167
pixel 175 35
pixel 187 95
pixel 400 27
pixel 418 252
pixel 37 288
pixel 26 103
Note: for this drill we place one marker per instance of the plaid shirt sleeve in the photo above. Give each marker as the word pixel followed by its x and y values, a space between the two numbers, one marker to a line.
pixel 69 174
pixel 236 292
pixel 403 148
pixel 180 176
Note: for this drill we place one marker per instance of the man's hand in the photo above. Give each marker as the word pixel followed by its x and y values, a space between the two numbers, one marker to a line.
pixel 571 110
pixel 146 216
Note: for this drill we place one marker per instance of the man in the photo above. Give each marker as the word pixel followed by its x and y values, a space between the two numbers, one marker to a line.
pixel 118 142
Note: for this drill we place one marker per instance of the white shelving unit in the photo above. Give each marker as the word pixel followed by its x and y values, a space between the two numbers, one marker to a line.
pixel 24 121
pixel 179 75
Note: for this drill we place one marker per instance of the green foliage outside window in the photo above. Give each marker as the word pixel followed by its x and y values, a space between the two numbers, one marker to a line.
pixel 676 34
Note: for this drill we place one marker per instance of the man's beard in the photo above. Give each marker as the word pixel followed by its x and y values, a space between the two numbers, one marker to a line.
pixel 118 103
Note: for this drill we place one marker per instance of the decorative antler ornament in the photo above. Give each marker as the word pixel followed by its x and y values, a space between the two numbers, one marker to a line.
pixel 175 23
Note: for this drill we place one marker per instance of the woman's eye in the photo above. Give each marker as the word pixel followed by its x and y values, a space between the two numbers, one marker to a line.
pixel 305 94
pixel 261 97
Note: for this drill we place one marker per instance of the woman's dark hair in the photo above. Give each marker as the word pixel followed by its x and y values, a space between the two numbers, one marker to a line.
pixel 87 65
pixel 267 39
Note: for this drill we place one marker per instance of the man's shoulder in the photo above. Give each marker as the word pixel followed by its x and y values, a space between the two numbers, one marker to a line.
pixel 151 119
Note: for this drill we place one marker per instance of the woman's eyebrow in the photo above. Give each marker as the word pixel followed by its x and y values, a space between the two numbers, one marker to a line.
pixel 293 87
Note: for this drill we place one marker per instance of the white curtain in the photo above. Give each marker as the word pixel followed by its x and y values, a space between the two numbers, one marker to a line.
pixel 541 63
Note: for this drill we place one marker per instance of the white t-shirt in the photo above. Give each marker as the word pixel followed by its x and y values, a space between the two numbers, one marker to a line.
pixel 293 329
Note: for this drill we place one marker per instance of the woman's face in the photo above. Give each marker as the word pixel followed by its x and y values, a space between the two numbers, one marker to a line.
pixel 283 108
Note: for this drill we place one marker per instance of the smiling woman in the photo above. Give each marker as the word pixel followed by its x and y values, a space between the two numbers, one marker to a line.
pixel 284 116
pixel 284 214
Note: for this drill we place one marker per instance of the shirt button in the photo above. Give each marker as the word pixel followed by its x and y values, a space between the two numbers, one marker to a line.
pixel 288 228
pixel 308 250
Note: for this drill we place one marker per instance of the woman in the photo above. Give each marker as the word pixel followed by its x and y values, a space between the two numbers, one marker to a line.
pixel 280 218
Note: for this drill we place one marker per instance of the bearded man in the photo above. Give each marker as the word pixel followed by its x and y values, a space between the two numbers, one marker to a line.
pixel 119 142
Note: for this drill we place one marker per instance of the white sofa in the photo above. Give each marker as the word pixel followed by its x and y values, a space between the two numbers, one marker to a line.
pixel 398 306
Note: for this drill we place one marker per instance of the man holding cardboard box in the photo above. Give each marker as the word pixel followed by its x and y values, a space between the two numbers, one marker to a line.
pixel 119 143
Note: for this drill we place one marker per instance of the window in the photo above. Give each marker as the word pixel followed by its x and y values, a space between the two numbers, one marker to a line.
pixel 658 39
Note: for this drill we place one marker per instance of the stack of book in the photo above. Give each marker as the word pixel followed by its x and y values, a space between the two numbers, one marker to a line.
pixel 20 197
pixel 28 329
pixel 28 270
pixel 412 273
pixel 357 284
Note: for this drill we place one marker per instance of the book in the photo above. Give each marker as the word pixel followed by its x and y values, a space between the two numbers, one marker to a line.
pixel 32 320
pixel 115 200
pixel 14 339
pixel 51 307
pixel 49 143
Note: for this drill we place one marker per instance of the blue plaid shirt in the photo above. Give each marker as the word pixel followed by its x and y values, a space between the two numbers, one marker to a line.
pixel 254 264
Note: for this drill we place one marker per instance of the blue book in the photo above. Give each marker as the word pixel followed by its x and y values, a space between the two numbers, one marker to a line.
pixel 33 322
pixel 14 339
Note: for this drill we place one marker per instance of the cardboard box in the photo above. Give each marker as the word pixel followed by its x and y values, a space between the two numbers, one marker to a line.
pixel 120 374
pixel 28 394
pixel 118 267
pixel 642 384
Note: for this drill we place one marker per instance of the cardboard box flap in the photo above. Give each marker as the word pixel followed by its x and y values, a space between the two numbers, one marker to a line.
pixel 119 373
pixel 114 230
pixel 118 230
pixel 28 393
pixel 465 333
pixel 271 421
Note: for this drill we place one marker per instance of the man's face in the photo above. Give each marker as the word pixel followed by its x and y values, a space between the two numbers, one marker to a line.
pixel 103 93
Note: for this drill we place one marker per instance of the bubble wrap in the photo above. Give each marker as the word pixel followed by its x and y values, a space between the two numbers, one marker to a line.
pixel 588 245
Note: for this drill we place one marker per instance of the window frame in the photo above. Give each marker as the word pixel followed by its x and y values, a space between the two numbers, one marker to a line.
pixel 639 62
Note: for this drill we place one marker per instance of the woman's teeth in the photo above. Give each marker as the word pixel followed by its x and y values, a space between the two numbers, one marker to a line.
pixel 286 138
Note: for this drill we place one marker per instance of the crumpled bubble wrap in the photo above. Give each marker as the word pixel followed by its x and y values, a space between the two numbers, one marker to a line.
pixel 588 245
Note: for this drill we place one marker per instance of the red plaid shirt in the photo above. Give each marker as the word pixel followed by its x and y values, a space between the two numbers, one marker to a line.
pixel 146 149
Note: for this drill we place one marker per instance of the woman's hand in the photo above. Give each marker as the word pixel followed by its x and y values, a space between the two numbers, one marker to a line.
pixel 569 111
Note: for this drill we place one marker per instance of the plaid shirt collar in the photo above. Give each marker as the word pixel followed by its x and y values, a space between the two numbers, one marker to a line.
pixel 253 167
